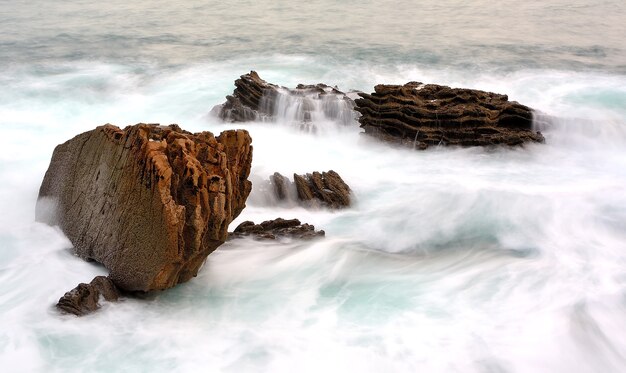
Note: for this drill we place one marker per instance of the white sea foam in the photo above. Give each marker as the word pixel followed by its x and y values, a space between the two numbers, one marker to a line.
pixel 451 259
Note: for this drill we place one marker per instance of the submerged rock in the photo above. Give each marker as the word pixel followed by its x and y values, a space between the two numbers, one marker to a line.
pixel 421 115
pixel 256 99
pixel 149 202
pixel 85 298
pixel 273 229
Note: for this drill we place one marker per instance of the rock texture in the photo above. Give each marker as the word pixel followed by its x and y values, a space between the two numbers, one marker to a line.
pixel 149 202
pixel 273 229
pixel 256 99
pixel 245 104
pixel 281 186
pixel 424 115
pixel 85 298
pixel 326 187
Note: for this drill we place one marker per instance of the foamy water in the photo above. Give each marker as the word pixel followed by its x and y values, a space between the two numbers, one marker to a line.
pixel 468 260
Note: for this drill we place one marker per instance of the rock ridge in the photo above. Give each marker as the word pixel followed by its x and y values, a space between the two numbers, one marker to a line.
pixel 316 189
pixel 255 99
pixel 423 115
pixel 277 228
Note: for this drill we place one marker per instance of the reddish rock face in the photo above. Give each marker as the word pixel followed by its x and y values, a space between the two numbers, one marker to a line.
pixel 422 115
pixel 148 202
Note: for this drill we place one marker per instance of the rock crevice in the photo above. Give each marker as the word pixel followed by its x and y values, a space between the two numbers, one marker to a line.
pixel 85 298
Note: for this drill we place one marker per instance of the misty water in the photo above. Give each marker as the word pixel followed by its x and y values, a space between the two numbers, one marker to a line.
pixel 451 259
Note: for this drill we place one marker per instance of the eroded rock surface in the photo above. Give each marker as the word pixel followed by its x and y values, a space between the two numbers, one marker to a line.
pixel 422 115
pixel 273 229
pixel 314 190
pixel 256 99
pixel 326 187
pixel 85 298
pixel 281 186
pixel 149 202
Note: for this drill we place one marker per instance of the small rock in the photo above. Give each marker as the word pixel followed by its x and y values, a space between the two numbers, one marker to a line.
pixel 272 229
pixel 281 184
pixel 85 298
pixel 326 187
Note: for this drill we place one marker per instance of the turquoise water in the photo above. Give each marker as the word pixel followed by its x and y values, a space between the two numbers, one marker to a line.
pixel 467 260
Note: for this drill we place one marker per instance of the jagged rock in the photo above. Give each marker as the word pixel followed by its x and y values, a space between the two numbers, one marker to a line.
pixel 245 104
pixel 326 187
pixel 85 298
pixel 421 115
pixel 149 202
pixel 272 229
pixel 256 99
pixel 281 185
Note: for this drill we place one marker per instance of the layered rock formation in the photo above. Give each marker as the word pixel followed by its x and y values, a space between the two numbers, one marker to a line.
pixel 421 115
pixel 85 298
pixel 245 104
pixel 326 189
pixel 256 99
pixel 273 229
pixel 148 202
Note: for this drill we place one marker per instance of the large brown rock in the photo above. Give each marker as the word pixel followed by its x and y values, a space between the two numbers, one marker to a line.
pixel 421 115
pixel 255 99
pixel 85 298
pixel 148 202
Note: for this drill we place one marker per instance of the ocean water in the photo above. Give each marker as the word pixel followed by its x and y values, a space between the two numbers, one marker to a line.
pixel 451 260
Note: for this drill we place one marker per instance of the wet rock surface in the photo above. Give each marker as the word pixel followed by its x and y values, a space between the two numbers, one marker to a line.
pixel 423 115
pixel 311 190
pixel 277 228
pixel 85 298
pixel 326 188
pixel 245 104
pixel 281 186
pixel 149 202
pixel 255 99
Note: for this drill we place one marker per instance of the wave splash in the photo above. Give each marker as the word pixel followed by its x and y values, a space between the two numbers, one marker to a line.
pixel 506 259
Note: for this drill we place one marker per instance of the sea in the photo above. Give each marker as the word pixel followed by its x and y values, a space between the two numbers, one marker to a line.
pixel 450 259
